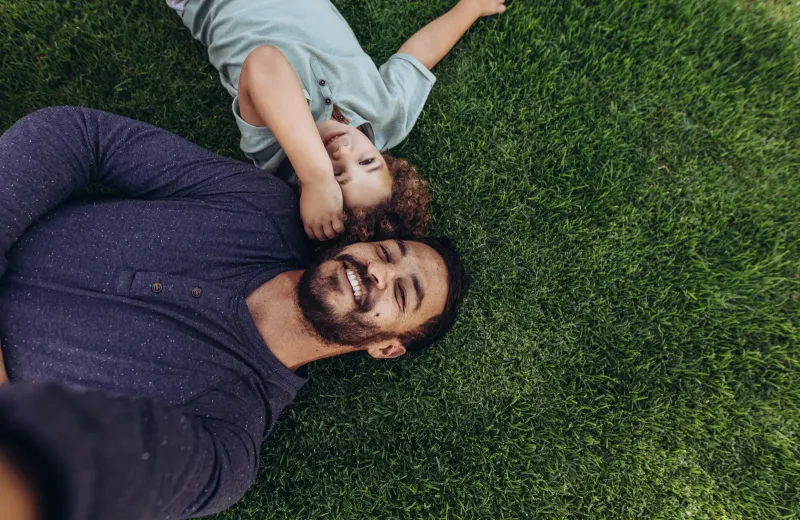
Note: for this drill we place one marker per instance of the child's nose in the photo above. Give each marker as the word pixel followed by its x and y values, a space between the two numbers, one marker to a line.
pixel 343 151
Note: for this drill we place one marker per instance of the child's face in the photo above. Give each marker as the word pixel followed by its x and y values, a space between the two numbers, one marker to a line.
pixel 360 170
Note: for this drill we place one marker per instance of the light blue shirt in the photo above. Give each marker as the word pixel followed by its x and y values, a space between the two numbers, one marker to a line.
pixel 332 67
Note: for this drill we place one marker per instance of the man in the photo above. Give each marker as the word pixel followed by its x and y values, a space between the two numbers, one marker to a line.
pixel 172 320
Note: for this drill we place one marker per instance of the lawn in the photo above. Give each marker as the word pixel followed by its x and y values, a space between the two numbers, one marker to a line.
pixel 623 177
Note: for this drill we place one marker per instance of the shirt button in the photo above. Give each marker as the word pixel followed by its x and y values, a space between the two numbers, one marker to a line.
pixel 328 101
pixel 197 292
pixel 156 287
pixel 322 83
pixel 340 117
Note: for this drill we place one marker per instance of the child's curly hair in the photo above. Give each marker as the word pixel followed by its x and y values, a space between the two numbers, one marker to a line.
pixel 405 215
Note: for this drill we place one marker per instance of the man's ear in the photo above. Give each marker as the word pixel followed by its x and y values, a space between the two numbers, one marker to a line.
pixel 386 349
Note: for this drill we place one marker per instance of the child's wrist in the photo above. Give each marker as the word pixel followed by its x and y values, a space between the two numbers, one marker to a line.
pixel 471 7
pixel 314 168
pixel 314 177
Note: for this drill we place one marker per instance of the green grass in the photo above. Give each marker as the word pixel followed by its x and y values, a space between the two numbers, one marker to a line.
pixel 624 179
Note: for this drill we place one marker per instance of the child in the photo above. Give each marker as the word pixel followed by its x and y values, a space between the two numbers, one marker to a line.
pixel 303 89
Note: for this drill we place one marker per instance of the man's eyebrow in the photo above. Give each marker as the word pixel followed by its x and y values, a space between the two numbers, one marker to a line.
pixel 403 247
pixel 419 290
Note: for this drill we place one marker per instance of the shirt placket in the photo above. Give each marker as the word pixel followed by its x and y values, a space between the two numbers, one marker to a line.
pixel 193 295
pixel 324 88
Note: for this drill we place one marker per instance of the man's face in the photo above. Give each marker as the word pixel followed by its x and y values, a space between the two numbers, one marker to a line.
pixel 373 291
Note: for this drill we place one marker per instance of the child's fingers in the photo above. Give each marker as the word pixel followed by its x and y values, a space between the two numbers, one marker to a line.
pixel 328 230
pixel 313 233
pixel 338 225
pixel 322 232
pixel 319 233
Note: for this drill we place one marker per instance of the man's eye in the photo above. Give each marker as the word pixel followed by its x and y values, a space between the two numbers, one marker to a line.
pixel 401 296
pixel 386 255
pixel 367 161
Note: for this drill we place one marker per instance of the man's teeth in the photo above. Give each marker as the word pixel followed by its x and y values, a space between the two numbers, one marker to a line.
pixel 354 284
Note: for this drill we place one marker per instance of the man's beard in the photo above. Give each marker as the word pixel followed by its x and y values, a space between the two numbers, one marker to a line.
pixel 351 329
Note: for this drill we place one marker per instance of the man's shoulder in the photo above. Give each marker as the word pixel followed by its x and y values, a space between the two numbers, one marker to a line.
pixel 262 191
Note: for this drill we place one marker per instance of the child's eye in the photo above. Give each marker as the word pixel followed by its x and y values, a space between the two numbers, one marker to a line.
pixel 368 161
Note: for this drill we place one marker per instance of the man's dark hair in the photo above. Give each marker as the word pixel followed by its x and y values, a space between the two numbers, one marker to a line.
pixel 458 283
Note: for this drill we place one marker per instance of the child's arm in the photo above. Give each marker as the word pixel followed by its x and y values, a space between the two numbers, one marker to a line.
pixel 432 43
pixel 271 95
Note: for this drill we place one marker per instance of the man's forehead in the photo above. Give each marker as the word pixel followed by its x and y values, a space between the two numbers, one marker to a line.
pixel 421 254
pixel 428 266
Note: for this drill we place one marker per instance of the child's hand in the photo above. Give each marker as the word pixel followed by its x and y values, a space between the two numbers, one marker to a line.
pixel 321 209
pixel 488 7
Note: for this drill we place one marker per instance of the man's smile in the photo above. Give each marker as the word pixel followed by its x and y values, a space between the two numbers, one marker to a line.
pixel 354 284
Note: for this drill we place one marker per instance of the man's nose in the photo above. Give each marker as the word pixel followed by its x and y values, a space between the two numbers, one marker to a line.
pixel 381 273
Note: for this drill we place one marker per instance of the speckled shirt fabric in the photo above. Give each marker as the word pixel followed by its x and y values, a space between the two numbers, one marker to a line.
pixel 137 370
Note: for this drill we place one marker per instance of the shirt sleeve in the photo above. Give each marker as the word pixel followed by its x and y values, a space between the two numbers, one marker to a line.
pixel 258 142
pixel 411 82
pixel 117 458
pixel 49 154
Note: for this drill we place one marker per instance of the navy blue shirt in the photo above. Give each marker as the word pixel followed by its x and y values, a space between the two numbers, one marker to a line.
pixel 137 370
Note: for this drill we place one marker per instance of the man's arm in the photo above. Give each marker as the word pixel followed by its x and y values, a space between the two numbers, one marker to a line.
pixel 3 373
pixel 115 458
pixel 17 495
pixel 270 95
pixel 432 43
pixel 49 154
